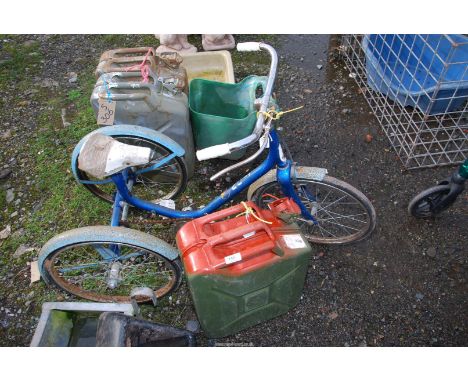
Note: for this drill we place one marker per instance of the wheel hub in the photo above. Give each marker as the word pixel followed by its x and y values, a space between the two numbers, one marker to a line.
pixel 114 275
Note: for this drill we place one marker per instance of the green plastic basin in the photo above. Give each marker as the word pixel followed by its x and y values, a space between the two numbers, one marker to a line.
pixel 223 112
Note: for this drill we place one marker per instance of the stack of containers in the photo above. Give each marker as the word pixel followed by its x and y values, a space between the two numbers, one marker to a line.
pixel 243 269
pixel 166 66
pixel 149 91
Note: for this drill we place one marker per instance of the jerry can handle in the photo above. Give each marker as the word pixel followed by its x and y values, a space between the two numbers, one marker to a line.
pixel 124 74
pixel 130 96
pixel 142 49
pixel 219 215
pixel 247 254
pixel 131 59
pixel 239 232
pixel 252 83
pixel 123 97
pixel 132 63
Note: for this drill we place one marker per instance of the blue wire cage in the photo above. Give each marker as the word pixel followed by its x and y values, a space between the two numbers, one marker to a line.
pixel 424 71
pixel 417 89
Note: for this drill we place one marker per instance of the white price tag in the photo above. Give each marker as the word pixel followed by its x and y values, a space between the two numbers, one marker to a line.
pixel 106 113
pixel 281 154
pixel 294 241
pixel 168 203
pixel 35 274
pixel 262 139
pixel 234 258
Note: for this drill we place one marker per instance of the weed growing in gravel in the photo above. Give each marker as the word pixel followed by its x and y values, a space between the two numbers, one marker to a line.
pixel 18 63
pixel 66 201
pixel 74 95
pixel 2 199
pixel 63 203
pixel 123 40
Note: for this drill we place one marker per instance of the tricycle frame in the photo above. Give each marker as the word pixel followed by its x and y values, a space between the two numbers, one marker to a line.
pixel 125 179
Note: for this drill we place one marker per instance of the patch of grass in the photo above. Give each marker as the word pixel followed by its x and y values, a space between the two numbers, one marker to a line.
pixel 148 40
pixel 64 204
pixel 9 247
pixel 18 63
pixel 2 200
pixel 114 39
pixel 123 40
pixel 66 200
pixel 73 95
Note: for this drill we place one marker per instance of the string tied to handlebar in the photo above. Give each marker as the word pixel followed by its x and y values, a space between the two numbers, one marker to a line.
pixel 250 211
pixel 274 115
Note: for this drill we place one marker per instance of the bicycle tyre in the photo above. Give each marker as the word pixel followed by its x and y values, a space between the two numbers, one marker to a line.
pixel 305 176
pixel 421 206
pixel 132 136
pixel 51 258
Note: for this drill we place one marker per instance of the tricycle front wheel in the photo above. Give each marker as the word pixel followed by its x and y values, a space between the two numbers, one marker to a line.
pixel 104 263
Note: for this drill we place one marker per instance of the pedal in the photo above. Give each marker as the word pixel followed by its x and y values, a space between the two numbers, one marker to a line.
pixel 124 223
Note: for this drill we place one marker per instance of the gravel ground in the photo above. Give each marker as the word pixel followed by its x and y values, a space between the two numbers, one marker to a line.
pixel 404 286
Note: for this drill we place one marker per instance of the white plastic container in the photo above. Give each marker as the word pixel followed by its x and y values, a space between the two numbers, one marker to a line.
pixel 215 66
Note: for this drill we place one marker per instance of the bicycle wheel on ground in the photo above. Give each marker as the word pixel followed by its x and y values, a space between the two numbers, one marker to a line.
pixel 343 213
pixel 424 204
pixel 105 263
pixel 165 182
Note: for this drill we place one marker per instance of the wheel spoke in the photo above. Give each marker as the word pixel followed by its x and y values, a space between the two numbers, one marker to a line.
pixel 346 217
pixel 342 225
pixel 326 196
pixel 331 204
pixel 330 222
pixel 78 267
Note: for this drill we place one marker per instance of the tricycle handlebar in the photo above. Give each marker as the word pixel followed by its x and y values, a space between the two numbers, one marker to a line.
pixel 257 132
pixel 248 46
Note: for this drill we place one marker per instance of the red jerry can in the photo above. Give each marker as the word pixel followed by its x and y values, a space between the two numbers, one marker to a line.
pixel 243 267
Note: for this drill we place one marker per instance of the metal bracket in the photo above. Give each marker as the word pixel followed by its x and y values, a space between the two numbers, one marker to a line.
pixel 316 173
pixel 142 291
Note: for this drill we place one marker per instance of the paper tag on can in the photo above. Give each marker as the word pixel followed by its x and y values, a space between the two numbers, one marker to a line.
pixel 106 113
pixel 35 274
pixel 262 139
pixel 294 241
pixel 168 203
pixel 234 258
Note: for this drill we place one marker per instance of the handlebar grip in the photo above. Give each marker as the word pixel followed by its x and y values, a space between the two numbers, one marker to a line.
pixel 248 46
pixel 213 152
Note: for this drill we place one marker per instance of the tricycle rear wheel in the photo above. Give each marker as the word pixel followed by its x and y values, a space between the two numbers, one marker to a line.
pixel 166 182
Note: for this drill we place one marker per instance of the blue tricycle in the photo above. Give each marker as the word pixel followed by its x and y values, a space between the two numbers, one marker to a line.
pixel 142 168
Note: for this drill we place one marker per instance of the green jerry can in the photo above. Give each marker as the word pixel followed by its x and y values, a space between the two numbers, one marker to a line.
pixel 244 265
